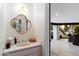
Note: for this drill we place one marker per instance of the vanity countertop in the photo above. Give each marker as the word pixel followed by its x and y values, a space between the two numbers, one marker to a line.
pixel 16 47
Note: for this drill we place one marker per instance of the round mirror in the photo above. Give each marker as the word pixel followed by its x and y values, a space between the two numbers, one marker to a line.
pixel 21 24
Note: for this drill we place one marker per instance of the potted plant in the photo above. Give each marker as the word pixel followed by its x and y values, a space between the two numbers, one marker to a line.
pixel 76 36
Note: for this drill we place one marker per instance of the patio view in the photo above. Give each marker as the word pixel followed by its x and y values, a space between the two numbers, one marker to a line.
pixel 64 29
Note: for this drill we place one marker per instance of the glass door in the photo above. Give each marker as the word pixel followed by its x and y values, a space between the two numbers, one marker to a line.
pixel 64 33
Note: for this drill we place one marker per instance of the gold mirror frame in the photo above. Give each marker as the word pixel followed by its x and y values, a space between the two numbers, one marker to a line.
pixel 20 17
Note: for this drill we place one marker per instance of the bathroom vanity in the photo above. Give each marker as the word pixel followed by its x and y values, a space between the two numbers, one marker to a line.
pixel 32 49
pixel 21 25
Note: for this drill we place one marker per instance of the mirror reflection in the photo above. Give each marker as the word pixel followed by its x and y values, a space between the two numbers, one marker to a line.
pixel 20 23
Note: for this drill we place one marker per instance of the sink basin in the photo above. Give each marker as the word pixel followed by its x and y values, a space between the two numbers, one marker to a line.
pixel 23 44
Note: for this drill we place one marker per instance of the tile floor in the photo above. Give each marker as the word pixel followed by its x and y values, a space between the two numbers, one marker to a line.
pixel 63 48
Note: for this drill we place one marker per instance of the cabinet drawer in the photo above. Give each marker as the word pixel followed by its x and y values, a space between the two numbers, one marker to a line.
pixel 23 52
pixel 34 54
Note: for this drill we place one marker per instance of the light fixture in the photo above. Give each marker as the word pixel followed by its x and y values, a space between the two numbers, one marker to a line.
pixel 21 9
pixel 62 26
pixel 57 14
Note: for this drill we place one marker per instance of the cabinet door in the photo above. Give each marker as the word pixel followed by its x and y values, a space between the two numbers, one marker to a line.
pixel 26 52
pixel 37 53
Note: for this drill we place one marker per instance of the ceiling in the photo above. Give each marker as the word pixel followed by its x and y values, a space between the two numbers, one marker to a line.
pixel 64 12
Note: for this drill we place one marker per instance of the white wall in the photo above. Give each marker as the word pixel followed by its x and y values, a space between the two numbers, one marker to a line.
pixel 55 32
pixel 13 11
pixel 2 26
pixel 41 25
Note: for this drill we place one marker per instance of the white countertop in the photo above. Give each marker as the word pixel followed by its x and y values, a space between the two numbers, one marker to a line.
pixel 17 47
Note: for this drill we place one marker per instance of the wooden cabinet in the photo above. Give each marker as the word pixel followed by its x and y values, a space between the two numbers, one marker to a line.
pixel 33 51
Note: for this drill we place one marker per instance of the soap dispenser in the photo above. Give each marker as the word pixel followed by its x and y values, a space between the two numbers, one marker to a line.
pixel 15 40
